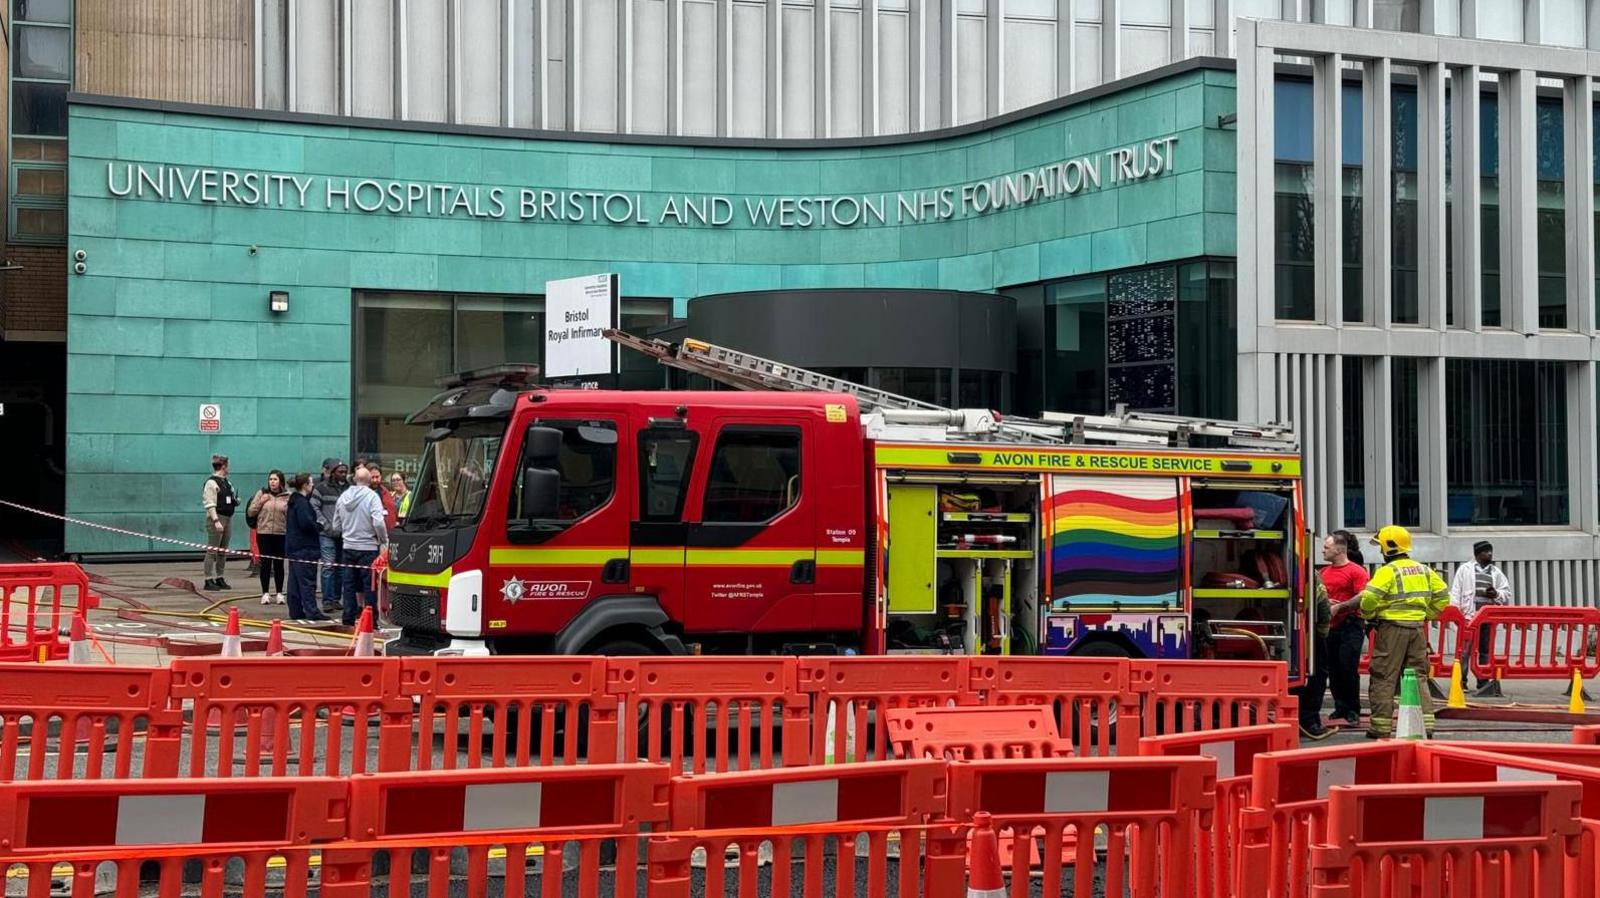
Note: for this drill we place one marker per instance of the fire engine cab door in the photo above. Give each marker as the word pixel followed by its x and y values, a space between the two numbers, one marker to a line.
pixel 752 559
pixel 659 536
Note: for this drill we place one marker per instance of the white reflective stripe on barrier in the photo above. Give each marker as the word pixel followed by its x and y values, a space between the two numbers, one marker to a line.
pixel 1224 752
pixel 1452 818
pixel 1335 772
pixel 502 806
pixel 1518 775
pixel 807 802
pixel 160 819
pixel 1077 791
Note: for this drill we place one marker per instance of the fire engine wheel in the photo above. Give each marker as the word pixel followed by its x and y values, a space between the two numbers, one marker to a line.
pixel 622 648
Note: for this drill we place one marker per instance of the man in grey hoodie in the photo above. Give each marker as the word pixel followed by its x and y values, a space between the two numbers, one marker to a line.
pixel 359 519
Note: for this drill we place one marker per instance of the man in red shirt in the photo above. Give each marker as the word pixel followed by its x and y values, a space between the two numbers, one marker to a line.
pixel 1344 577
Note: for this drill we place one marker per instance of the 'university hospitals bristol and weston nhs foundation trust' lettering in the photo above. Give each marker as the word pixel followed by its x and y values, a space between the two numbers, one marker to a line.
pixel 188 184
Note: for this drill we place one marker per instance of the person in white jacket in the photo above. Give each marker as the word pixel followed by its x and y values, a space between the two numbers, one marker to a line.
pixel 1477 584
pixel 359 522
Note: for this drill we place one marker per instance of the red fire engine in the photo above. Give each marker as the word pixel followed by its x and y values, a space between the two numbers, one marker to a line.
pixel 804 514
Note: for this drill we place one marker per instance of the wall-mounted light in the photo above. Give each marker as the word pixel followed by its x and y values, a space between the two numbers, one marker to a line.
pixel 278 300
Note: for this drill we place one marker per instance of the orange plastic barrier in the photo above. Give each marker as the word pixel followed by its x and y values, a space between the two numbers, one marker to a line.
pixel 1288 810
pixel 858 690
pixel 1217 848
pixel 65 718
pixel 531 710
pixel 845 800
pixel 36 601
pixel 526 806
pixel 1149 810
pixel 127 827
pixel 969 734
pixel 1186 696
pixel 258 713
pixel 1468 840
pixel 1587 734
pixel 1449 638
pixel 1538 643
pixel 716 714
pixel 1092 698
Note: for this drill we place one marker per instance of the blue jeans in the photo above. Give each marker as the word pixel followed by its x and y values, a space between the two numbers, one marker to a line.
pixel 358 582
pixel 331 578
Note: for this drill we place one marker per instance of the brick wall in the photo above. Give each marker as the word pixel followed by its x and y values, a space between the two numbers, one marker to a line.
pixel 34 299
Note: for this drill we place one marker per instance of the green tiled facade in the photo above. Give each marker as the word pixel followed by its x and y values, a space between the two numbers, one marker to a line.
pixel 172 308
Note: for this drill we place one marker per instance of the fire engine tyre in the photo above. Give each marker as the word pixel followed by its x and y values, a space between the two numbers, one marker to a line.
pixel 610 620
pixel 622 648
pixel 1099 648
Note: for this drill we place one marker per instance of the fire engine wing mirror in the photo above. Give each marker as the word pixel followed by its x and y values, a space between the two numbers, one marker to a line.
pixel 541 494
pixel 542 447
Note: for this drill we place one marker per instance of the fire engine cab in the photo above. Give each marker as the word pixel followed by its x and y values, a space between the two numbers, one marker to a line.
pixel 800 513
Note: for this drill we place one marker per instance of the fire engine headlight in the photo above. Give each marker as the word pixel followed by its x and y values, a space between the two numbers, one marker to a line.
pixel 463 604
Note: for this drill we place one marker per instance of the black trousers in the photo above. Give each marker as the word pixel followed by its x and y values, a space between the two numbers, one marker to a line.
pixel 1344 648
pixel 271 568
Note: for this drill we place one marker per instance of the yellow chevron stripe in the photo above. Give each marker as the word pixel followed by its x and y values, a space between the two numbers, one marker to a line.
pixel 402 578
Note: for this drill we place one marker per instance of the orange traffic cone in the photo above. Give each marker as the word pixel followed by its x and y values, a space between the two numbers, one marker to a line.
pixel 232 647
pixel 984 879
pixel 78 642
pixel 363 647
pixel 275 639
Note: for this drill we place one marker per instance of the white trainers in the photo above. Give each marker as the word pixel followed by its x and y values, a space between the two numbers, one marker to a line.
pixel 266 598
pixel 282 599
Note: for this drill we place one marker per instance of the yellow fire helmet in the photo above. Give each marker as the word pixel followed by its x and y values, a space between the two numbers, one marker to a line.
pixel 1393 540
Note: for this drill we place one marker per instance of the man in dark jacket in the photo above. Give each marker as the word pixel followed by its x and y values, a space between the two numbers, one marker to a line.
pixel 302 543
pixel 325 497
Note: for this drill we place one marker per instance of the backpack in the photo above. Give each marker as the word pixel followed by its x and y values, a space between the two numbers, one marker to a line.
pixel 227 499
pixel 250 517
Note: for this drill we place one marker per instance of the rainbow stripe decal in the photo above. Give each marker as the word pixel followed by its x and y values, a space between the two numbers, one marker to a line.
pixel 1115 541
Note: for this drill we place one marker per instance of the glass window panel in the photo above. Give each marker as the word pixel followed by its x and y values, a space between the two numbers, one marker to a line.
pixel 927 384
pixel 1404 252
pixel 35 222
pixel 1506 442
pixel 754 475
pixel 1489 250
pixel 493 331
pixel 1353 433
pixel 42 52
pixel 56 11
pixel 1295 227
pixel 666 459
pixel 1293 113
pixel 39 108
pixel 978 389
pixel 588 464
pixel 1207 331
pixel 1141 339
pixel 1075 350
pixel 1552 216
pixel 38 150
pixel 46 182
pixel 1403 432
pixel 1397 15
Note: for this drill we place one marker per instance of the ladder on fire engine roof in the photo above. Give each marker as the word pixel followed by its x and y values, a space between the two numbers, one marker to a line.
pixel 745 371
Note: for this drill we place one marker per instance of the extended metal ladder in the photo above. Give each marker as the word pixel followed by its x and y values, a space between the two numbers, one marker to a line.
pixel 747 371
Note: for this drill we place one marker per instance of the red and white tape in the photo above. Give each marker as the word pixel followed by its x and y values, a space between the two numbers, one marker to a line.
pixel 234 553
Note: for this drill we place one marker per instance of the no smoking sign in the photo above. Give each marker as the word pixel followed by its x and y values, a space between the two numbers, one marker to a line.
pixel 210 417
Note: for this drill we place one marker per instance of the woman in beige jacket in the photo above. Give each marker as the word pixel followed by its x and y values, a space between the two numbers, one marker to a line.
pixel 269 508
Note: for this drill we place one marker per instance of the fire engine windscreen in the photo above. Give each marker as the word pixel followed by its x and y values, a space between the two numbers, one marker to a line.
pixel 454 478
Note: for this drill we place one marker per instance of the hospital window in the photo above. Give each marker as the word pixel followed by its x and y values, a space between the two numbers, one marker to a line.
pixel 41 74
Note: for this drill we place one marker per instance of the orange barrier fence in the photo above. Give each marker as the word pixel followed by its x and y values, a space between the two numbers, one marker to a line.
pixel 1477 839
pixel 969 734
pixel 1148 811
pixel 39 599
pixel 1401 818
pixel 1537 643
pixel 1587 734
pixel 1187 696
pixel 283 716
pixel 1449 638
pixel 1092 699
pixel 1218 847
pixel 1288 811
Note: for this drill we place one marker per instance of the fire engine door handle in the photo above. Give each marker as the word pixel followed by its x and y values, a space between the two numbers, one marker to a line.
pixel 803 572
pixel 615 571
